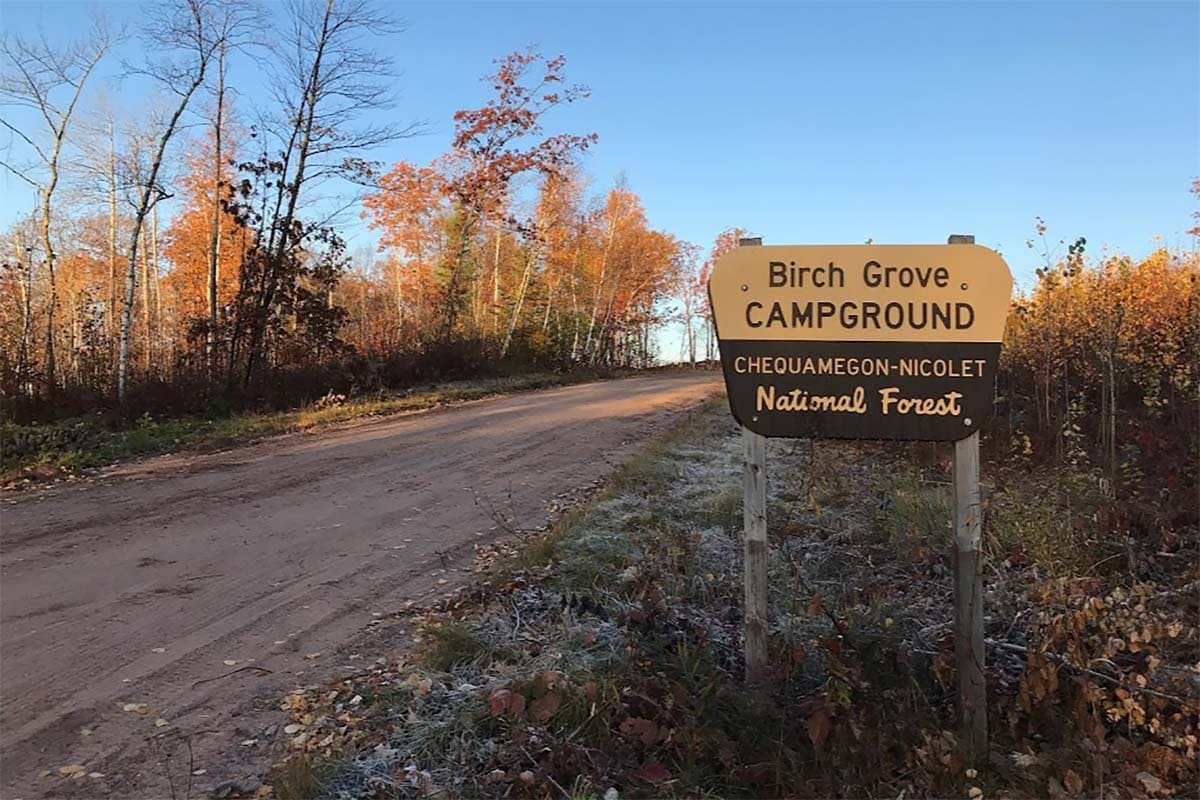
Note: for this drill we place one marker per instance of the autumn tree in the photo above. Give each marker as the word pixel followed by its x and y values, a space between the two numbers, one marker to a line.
pixel 560 225
pixel 726 240
pixel 500 141
pixel 410 211
pixel 49 82
pixel 197 286
pixel 1195 229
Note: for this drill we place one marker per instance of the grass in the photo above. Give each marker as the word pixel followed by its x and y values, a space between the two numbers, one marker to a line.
pixel 45 451
pixel 299 779
pixel 916 511
pixel 453 645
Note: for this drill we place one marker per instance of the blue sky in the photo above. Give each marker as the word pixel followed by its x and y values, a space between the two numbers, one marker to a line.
pixel 814 122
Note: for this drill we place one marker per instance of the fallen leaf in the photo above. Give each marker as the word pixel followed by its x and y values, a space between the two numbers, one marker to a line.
pixel 1151 784
pixel 95 774
pixel 498 702
pixel 249 742
pixel 546 681
pixel 653 772
pixel 544 707
pixel 292 729
pixel 72 770
pixel 975 793
pixel 755 773
pixel 420 685
pixel 161 723
pixel 229 662
pixel 1072 782
pixel 159 650
pixel 136 708
pixel 311 656
pixel 819 725
pixel 646 730
pixel 504 702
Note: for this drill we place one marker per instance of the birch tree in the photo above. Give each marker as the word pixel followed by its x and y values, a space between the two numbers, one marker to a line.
pixel 236 25
pixel 186 32
pixel 500 141
pixel 48 82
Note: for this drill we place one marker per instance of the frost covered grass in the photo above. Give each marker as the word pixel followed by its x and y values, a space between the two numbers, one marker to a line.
pixel 605 660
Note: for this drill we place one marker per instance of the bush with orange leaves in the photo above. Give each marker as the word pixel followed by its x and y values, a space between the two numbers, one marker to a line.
pixel 1101 373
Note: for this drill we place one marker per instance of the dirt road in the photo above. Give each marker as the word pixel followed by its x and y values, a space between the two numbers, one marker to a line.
pixel 133 587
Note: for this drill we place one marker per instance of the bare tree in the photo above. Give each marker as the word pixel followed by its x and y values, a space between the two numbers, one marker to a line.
pixel 96 137
pixel 111 175
pixel 322 77
pixel 236 25
pixel 690 288
pixel 49 82
pixel 186 33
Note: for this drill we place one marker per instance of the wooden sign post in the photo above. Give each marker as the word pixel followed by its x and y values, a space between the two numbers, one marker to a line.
pixel 968 590
pixel 754 520
pixel 866 342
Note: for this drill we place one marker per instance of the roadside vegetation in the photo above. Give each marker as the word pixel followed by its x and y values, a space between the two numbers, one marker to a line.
pixel 36 452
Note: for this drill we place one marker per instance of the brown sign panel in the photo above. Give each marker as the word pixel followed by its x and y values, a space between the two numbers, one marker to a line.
pixel 861 341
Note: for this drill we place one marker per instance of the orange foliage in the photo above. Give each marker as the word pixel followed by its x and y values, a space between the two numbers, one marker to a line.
pixel 1101 364
pixel 186 245
pixel 572 281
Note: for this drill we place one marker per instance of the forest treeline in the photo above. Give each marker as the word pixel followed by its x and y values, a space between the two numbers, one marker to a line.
pixel 194 252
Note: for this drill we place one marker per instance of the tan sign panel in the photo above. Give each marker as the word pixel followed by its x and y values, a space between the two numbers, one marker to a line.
pixel 861 341
pixel 862 293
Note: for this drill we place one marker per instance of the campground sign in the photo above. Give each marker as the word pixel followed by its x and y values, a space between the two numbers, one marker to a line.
pixel 866 342
pixel 861 341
